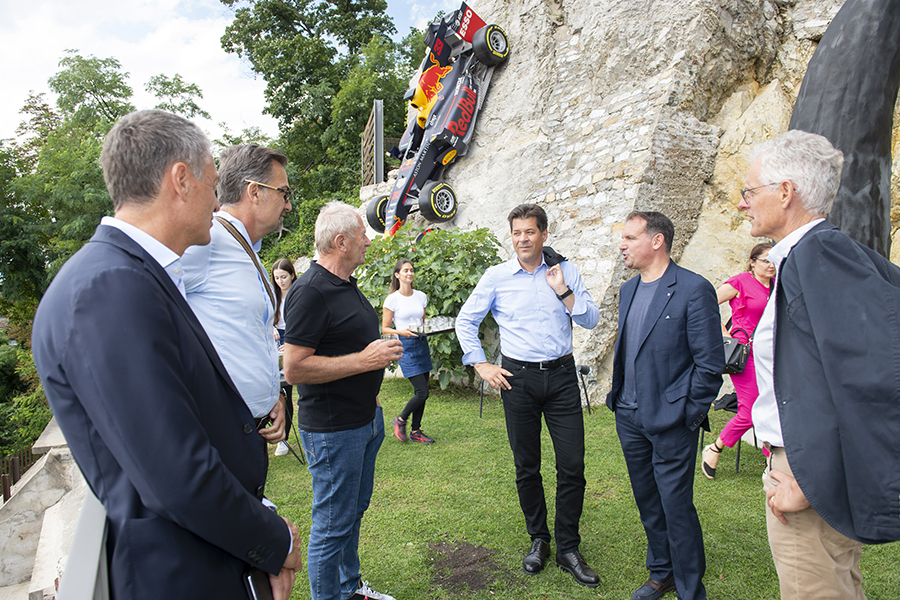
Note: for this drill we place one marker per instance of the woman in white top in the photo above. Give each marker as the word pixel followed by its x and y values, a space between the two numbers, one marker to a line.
pixel 283 276
pixel 405 309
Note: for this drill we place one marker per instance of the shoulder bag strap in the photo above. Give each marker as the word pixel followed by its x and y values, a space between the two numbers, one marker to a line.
pixel 237 235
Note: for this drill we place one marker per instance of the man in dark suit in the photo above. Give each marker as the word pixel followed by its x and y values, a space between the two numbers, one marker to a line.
pixel 666 373
pixel 828 364
pixel 150 414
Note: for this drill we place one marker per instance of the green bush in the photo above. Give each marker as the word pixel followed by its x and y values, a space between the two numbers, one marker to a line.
pixel 27 414
pixel 448 265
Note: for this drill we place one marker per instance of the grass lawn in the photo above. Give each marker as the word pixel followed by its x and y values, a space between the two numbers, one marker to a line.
pixel 445 523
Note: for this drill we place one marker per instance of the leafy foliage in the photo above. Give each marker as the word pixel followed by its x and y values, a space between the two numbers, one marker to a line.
pixel 26 415
pixel 91 89
pixel 177 96
pixel 448 264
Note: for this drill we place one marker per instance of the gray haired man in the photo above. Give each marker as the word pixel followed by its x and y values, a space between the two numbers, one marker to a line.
pixel 827 353
pixel 333 351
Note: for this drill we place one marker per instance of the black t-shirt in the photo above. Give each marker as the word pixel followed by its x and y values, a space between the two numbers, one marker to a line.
pixel 324 312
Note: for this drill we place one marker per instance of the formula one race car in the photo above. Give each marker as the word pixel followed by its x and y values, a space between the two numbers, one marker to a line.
pixel 455 74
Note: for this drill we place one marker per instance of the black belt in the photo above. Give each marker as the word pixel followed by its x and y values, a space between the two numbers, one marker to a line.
pixel 543 365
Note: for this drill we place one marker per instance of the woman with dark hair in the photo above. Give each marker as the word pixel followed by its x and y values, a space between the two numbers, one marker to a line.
pixel 747 294
pixel 404 307
pixel 283 276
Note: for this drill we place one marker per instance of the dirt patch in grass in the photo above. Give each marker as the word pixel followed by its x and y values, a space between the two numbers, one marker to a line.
pixel 461 567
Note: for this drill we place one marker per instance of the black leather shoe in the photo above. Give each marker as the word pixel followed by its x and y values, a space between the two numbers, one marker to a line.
pixel 574 563
pixel 534 561
pixel 654 590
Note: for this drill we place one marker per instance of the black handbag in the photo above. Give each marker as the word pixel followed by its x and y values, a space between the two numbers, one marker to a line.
pixel 736 355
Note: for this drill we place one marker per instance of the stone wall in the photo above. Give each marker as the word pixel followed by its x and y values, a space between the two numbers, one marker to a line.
pixel 607 106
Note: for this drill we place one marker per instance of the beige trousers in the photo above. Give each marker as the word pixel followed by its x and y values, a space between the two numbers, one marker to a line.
pixel 814 562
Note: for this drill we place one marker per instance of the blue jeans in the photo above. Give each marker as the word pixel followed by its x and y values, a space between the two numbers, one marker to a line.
pixel 342 465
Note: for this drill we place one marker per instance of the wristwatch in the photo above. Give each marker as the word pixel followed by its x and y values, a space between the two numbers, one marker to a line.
pixel 566 294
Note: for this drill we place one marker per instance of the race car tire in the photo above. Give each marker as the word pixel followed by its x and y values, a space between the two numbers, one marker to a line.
pixel 376 213
pixel 437 202
pixel 491 45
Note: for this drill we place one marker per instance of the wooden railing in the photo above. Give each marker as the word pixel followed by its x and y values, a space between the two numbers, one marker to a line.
pixel 12 466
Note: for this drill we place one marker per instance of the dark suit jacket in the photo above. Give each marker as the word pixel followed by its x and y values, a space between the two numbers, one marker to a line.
pixel 837 381
pixel 156 426
pixel 679 364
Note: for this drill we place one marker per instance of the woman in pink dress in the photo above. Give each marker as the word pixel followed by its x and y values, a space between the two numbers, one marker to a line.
pixel 747 295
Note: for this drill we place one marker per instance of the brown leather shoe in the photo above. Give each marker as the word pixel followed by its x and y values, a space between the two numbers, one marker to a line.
pixel 654 590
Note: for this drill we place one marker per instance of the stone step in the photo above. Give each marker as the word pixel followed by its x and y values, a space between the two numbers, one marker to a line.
pixel 57 531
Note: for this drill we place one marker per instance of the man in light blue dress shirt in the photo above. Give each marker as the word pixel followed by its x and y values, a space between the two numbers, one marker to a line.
pixel 227 288
pixel 534 298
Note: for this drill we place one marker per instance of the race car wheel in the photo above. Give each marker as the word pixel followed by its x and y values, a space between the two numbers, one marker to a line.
pixel 437 202
pixel 491 45
pixel 376 213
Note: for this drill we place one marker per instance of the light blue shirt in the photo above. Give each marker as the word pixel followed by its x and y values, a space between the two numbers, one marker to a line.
pixel 229 297
pixel 165 256
pixel 534 323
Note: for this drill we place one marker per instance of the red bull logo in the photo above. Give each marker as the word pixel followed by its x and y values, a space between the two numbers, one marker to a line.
pixel 466 108
pixel 430 81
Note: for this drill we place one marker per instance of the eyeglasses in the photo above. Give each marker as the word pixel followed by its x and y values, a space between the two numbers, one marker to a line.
pixel 747 191
pixel 284 190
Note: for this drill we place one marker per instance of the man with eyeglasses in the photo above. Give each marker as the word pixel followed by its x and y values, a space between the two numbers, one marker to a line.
pixel 827 353
pixel 229 289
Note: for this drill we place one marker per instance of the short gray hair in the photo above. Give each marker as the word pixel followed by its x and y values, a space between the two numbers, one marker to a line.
pixel 334 218
pixel 809 161
pixel 139 149
pixel 247 161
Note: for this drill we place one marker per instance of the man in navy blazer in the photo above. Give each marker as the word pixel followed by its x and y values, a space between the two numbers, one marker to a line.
pixel 666 372
pixel 150 414
pixel 828 365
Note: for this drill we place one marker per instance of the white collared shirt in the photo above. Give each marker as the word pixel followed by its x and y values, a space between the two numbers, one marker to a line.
pixel 766 420
pixel 165 256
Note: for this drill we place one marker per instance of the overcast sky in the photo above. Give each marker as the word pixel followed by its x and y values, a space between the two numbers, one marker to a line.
pixel 148 37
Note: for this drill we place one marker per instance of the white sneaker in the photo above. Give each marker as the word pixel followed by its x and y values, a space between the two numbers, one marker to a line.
pixel 281 449
pixel 366 593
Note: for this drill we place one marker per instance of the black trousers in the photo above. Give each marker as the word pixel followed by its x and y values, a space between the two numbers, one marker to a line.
pixel 554 394
pixel 416 404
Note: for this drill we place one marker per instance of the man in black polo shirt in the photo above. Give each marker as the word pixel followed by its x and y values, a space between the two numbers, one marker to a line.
pixel 334 353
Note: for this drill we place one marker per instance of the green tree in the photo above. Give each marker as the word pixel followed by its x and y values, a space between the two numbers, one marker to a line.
pixel 52 197
pixel 440 274
pixel 177 96
pixel 305 51
pixel 379 74
pixel 32 132
pixel 91 89
pixel 27 414
pixel 11 386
